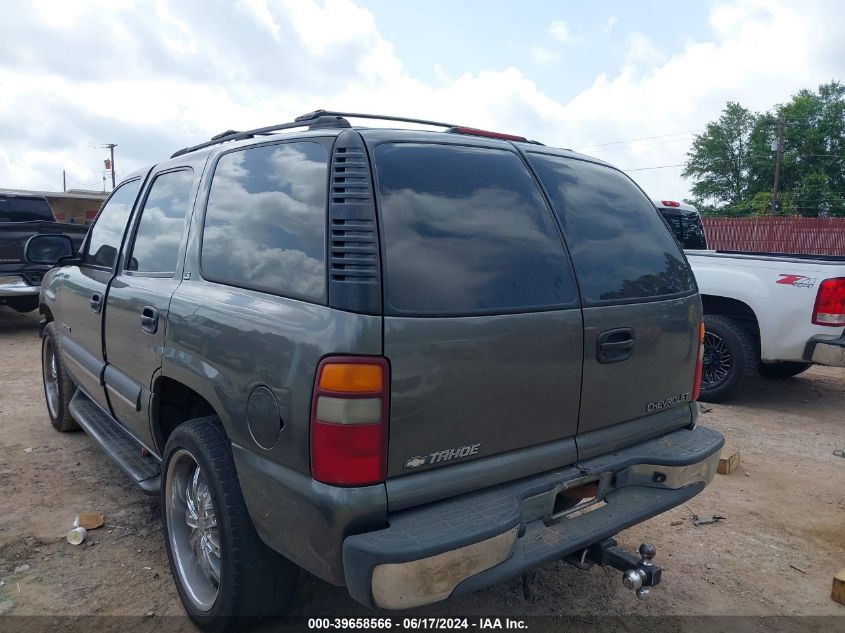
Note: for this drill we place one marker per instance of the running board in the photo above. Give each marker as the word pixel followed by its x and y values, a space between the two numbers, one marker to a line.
pixel 129 455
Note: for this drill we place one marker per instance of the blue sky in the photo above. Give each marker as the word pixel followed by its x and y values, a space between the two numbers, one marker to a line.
pixel 478 35
pixel 155 76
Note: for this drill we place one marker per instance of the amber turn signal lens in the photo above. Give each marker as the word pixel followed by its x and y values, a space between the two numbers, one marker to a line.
pixel 351 378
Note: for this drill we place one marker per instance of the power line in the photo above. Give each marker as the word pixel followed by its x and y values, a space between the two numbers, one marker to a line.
pixel 655 167
pixel 84 184
pixel 634 140
pixel 637 145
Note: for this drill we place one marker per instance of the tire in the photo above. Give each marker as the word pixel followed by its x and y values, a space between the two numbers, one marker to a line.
pixel 58 387
pixel 252 581
pixel 783 369
pixel 730 358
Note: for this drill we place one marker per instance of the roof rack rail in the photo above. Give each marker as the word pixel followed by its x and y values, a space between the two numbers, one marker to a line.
pixel 360 115
pixel 450 127
pixel 331 119
pixel 232 135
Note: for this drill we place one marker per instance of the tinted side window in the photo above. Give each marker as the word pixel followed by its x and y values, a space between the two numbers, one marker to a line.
pixel 159 234
pixel 265 225
pixel 466 231
pixel 619 246
pixel 107 231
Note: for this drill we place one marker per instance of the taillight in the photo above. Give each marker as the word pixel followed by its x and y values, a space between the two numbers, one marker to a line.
pixel 349 413
pixel 670 203
pixel 830 303
pixel 699 364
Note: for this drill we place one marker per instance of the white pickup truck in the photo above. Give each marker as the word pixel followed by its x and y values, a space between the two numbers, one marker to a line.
pixel 770 313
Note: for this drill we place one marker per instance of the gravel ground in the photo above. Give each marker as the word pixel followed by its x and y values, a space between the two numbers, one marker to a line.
pixel 776 554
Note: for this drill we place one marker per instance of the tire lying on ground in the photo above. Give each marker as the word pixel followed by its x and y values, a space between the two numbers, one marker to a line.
pixel 783 369
pixel 730 358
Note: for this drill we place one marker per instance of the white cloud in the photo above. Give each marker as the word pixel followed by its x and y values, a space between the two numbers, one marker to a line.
pixel 542 55
pixel 609 24
pixel 560 31
pixel 154 77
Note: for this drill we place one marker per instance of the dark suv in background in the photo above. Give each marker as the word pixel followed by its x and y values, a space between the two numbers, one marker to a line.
pixel 413 363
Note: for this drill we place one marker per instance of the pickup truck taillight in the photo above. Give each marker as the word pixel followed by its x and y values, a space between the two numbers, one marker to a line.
pixel 699 363
pixel 830 303
pixel 349 413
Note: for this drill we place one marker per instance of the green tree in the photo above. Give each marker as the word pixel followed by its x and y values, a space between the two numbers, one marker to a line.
pixel 813 168
pixel 732 163
pixel 718 160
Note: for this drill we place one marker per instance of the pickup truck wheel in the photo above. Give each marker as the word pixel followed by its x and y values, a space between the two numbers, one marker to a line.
pixel 58 387
pixel 224 573
pixel 783 369
pixel 730 360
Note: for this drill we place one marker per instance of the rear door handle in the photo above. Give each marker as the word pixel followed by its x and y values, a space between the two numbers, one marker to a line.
pixel 96 302
pixel 149 319
pixel 614 346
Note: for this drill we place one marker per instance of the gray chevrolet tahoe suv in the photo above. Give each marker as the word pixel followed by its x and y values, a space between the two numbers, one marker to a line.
pixel 414 363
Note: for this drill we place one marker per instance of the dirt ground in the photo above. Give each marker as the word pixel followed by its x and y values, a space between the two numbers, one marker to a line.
pixel 776 554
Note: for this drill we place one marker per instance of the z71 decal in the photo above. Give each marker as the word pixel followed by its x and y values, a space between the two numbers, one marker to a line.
pixel 799 281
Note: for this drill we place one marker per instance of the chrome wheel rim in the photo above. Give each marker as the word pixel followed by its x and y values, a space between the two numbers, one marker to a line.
pixel 50 369
pixel 192 530
pixel 718 361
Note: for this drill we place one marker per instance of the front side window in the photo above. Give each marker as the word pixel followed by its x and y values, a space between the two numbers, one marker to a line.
pixel 107 232
pixel 620 248
pixel 159 234
pixel 265 224
pixel 466 231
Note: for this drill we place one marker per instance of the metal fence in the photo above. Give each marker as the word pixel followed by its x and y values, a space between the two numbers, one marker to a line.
pixel 815 236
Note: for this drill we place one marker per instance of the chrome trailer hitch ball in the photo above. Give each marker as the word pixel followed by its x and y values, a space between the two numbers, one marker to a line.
pixel 638 574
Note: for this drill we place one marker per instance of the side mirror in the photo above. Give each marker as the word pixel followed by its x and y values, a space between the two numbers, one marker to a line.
pixel 48 249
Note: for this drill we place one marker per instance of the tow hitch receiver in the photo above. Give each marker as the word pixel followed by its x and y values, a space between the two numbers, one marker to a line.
pixel 638 574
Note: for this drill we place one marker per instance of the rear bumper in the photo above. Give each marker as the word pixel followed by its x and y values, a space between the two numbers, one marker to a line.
pixel 469 542
pixel 823 351
pixel 16 286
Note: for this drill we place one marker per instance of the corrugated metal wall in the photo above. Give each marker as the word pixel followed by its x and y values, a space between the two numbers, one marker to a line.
pixel 816 236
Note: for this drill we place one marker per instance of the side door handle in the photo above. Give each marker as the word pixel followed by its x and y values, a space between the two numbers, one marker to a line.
pixel 614 346
pixel 149 319
pixel 96 302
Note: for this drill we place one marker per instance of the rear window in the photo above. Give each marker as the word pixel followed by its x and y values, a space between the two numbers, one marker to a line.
pixel 620 248
pixel 466 231
pixel 688 229
pixel 25 210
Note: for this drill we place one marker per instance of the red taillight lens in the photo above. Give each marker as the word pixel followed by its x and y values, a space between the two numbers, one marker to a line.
pixel 699 364
pixel 830 303
pixel 349 413
pixel 670 203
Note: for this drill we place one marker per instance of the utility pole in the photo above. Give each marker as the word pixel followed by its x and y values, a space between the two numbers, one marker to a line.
pixel 111 147
pixel 776 189
pixel 64 181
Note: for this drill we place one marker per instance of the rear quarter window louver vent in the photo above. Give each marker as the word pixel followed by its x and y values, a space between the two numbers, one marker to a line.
pixel 354 257
pixel 350 176
pixel 354 269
